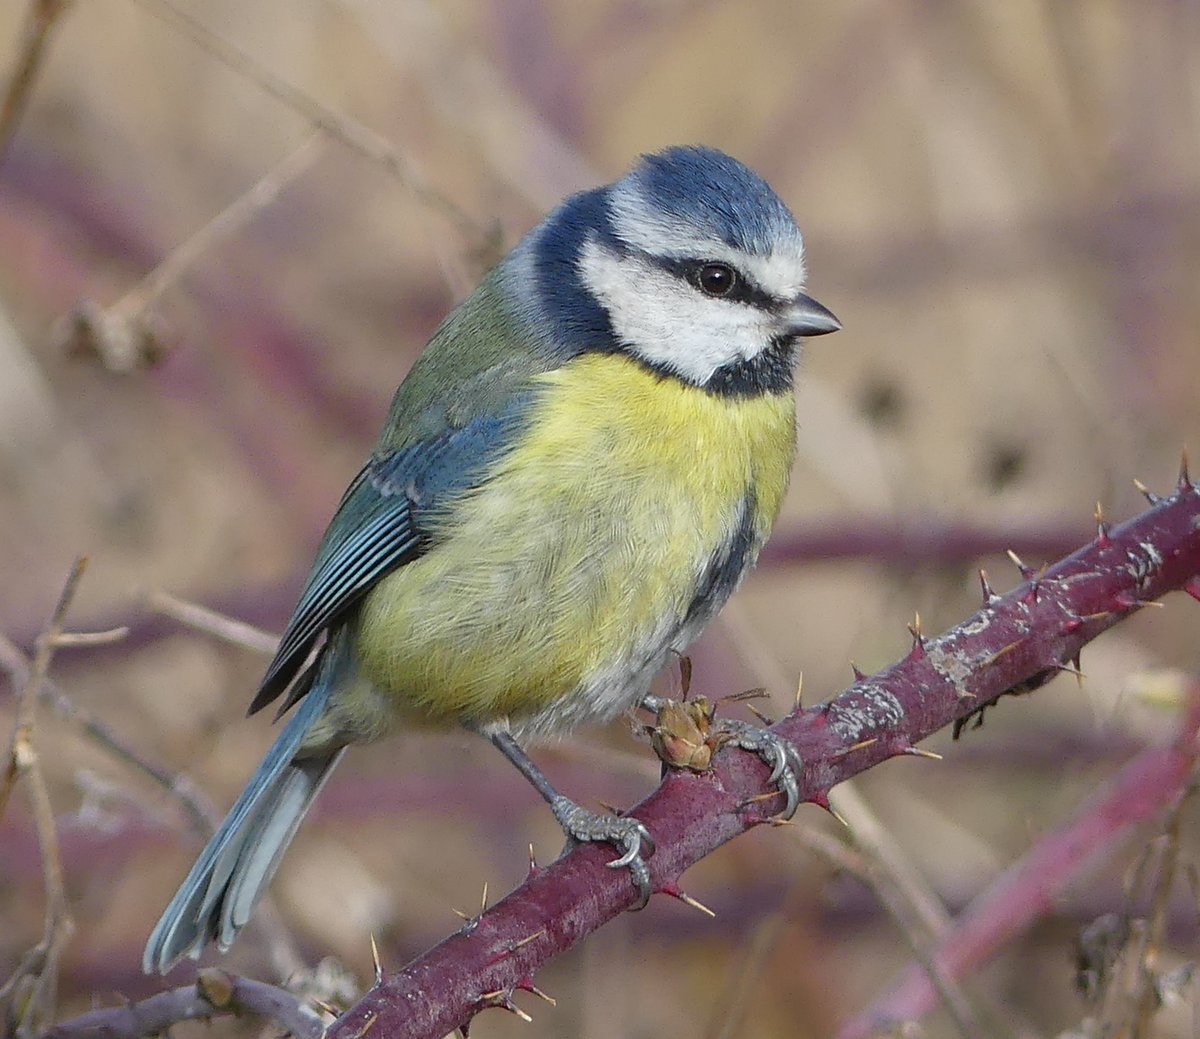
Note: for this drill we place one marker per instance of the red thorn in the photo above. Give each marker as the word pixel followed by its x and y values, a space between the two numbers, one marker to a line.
pixel 502 1000
pixel 1185 485
pixel 989 595
pixel 1026 571
pixel 1192 587
pixel 821 800
pixel 1149 495
pixel 1102 527
pixel 917 651
pixel 675 891
pixel 526 985
pixel 920 752
pixel 858 675
pixel 1077 664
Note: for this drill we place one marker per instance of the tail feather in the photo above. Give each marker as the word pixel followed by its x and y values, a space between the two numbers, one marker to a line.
pixel 269 834
pixel 215 900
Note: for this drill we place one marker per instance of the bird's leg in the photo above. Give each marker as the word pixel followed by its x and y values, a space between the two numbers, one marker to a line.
pixel 701 734
pixel 628 836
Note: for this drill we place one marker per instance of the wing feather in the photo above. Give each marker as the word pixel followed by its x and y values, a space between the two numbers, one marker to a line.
pixel 378 527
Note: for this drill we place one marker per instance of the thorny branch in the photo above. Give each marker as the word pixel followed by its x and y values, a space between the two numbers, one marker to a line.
pixel 40 20
pixel 1014 643
pixel 1154 779
pixel 215 994
pixel 27 996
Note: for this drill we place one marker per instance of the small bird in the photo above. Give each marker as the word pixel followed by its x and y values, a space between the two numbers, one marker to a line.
pixel 572 479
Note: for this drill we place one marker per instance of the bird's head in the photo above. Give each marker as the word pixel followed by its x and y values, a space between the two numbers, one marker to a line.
pixel 690 264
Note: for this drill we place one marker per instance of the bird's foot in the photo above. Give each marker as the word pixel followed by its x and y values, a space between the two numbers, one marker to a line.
pixel 627 835
pixel 778 754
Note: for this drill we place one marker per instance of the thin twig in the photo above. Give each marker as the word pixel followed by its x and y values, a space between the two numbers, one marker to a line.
pixel 917 912
pixel 215 994
pixel 198 809
pixel 219 625
pixel 129 334
pixel 35 987
pixel 350 132
pixel 1147 1001
pixel 739 988
pixel 42 15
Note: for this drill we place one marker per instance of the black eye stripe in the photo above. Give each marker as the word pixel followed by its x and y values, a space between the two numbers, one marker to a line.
pixel 744 290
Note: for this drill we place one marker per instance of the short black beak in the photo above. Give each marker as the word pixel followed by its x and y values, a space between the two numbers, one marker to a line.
pixel 806 317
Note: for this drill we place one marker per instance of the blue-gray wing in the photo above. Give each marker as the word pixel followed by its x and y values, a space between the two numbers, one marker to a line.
pixel 382 523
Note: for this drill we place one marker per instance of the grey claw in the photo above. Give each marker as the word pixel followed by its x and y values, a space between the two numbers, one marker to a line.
pixel 628 836
pixel 774 751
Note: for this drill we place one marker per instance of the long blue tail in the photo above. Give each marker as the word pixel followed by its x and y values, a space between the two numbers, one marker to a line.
pixel 216 900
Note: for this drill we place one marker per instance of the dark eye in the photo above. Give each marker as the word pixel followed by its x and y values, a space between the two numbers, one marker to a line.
pixel 716 279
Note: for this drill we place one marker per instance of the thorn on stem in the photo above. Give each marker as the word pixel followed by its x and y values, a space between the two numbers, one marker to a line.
pixel 921 752
pixel 1149 495
pixel 1001 653
pixel 522 942
pixel 917 651
pixel 1026 571
pixel 1070 668
pixel 527 985
pixel 989 594
pixel 858 675
pixel 1102 526
pixel 501 999
pixel 1184 485
pixel 675 891
pixel 860 745
pixel 821 800
pixel 376 962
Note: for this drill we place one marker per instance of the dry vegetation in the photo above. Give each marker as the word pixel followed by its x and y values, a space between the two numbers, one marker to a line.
pixel 1001 204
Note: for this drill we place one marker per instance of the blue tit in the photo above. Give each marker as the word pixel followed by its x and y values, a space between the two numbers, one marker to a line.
pixel 572 479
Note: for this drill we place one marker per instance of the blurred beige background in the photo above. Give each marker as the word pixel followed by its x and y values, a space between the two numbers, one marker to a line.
pixel 1000 203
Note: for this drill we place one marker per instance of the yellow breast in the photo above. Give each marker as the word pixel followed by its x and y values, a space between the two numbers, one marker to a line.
pixel 586 542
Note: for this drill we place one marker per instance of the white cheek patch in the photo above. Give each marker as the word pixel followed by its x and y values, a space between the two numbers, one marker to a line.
pixel 666 321
pixel 780 274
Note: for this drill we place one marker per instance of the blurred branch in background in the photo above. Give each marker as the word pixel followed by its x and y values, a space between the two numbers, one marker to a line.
pixel 215 994
pixel 130 333
pixel 1154 780
pixel 40 20
pixel 196 806
pixel 28 996
pixel 348 131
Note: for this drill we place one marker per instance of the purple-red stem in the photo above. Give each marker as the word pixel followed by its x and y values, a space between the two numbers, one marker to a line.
pixel 1032 886
pixel 1022 637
